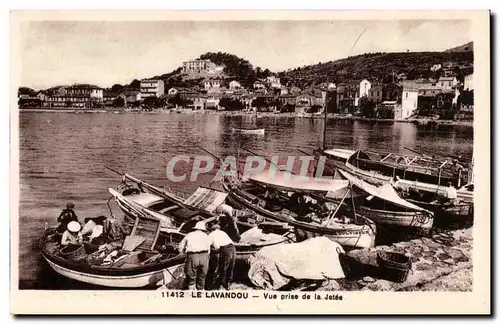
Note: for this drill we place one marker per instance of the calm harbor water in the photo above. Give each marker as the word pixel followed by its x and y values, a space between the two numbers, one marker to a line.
pixel 62 158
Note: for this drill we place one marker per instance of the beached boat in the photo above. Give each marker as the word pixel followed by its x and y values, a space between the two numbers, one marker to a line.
pixel 256 131
pixel 420 178
pixel 129 272
pixel 359 233
pixel 384 206
pixel 176 212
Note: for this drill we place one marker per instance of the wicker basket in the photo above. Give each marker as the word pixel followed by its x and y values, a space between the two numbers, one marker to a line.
pixel 395 266
pixel 73 252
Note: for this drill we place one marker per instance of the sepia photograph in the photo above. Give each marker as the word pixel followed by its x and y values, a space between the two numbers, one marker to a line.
pixel 283 162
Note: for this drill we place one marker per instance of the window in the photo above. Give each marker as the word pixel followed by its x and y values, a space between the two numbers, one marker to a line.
pixel 378 93
pixel 406 94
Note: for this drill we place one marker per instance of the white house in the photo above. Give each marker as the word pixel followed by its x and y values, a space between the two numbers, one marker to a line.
pixel 447 83
pixel 211 84
pixel 468 82
pixel 274 82
pixel 152 88
pixel 233 85
pixel 408 105
pixel 364 87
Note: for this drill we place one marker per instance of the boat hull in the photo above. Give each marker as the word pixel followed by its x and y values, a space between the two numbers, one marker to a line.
pixel 153 278
pixel 403 219
pixel 258 131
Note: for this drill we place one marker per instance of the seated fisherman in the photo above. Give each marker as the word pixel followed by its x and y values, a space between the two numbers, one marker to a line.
pixel 67 215
pixel 72 235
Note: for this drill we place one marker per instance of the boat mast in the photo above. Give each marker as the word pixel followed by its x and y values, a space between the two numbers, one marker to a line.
pixel 326 118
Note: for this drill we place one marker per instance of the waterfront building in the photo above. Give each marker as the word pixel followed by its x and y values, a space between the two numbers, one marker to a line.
pixel 469 82
pixel 447 83
pixel 152 88
pixel 88 90
pixel 364 87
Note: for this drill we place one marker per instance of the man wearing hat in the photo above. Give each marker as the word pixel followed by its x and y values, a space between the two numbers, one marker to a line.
pixel 457 171
pixel 196 246
pixel 67 215
pixel 223 247
pixel 72 235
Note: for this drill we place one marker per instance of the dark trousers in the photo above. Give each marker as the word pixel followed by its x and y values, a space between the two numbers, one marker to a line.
pixel 227 257
pixel 213 265
pixel 195 269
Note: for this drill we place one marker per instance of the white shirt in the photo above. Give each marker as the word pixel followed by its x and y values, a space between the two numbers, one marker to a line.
pixel 93 228
pixel 68 238
pixel 451 193
pixel 196 241
pixel 219 238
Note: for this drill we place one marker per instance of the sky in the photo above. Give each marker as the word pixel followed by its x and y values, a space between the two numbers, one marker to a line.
pixel 109 52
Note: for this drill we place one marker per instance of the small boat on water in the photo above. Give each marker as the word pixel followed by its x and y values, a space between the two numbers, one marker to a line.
pixel 256 131
pixel 358 233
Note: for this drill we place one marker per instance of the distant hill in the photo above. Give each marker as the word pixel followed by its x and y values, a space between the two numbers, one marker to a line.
pixel 469 47
pixel 377 67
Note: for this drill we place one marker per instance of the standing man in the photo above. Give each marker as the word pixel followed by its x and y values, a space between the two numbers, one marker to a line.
pixel 222 243
pixel 196 246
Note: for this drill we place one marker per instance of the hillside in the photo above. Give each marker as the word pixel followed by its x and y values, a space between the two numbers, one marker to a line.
pixel 378 66
pixel 469 47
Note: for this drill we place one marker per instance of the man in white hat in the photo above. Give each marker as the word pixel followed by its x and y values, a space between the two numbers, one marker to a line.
pixel 196 246
pixel 72 235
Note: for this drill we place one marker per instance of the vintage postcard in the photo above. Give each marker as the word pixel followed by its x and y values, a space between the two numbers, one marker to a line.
pixel 250 162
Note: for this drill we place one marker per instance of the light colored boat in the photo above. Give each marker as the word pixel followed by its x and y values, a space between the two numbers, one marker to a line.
pixel 256 131
pixel 384 206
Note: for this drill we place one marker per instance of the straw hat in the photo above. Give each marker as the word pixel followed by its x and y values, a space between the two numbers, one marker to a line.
pixel 200 226
pixel 74 226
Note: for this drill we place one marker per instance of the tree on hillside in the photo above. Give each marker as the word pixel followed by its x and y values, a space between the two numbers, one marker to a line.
pixel 119 102
pixel 149 102
pixel 135 84
pixel 117 87
pixel 25 91
pixel 231 104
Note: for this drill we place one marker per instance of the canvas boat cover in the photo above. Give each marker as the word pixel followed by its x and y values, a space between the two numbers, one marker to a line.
pixel 287 181
pixel 274 266
pixel 385 192
pixel 206 199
